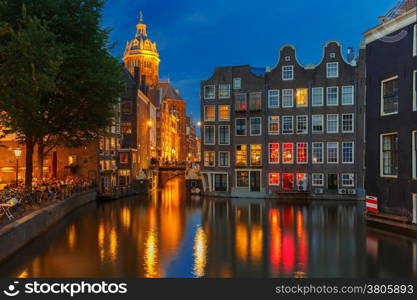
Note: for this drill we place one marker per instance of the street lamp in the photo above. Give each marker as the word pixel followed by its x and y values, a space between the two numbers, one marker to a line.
pixel 17 154
pixel 199 124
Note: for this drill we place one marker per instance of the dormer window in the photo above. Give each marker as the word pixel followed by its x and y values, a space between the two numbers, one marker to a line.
pixel 209 92
pixel 287 73
pixel 287 58
pixel 237 83
pixel 332 55
pixel 332 70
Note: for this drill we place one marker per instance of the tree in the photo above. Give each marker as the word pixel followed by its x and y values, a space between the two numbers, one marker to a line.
pixel 78 103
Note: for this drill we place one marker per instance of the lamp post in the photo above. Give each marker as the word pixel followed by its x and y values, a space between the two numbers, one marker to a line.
pixel 17 154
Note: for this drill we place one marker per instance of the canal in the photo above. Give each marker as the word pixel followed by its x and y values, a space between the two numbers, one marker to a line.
pixel 167 235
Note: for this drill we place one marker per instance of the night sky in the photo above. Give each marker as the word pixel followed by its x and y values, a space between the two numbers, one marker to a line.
pixel 193 37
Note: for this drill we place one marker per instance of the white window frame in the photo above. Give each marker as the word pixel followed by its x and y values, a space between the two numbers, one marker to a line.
pixel 337 70
pixel 250 126
pixel 246 154
pixel 292 153
pixel 414 88
pixel 353 123
pixel 322 125
pixel 296 96
pixel 269 154
pixel 218 128
pixel 337 95
pixel 292 72
pixel 415 40
pixel 237 86
pixel 338 154
pixel 381 158
pixel 382 97
pixel 218 113
pixel 214 156
pixel 246 123
pixel 204 91
pixel 296 153
pixel 322 153
pixel 269 98
pixel 347 185
pixel 322 179
pixel 269 178
pixel 269 124
pixel 292 126
pixel 337 123
pixel 228 159
pixel 250 155
pixel 205 115
pixel 414 156
pixel 214 137
pixel 296 124
pixel 322 96
pixel 353 95
pixel 228 89
pixel 353 153
pixel 283 98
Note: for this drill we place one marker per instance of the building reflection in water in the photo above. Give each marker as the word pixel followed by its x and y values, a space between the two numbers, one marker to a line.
pixel 167 234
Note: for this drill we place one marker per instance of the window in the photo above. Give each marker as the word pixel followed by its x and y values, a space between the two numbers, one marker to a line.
pixel 209 92
pixel 209 135
pixel 287 73
pixel 242 179
pixel 287 153
pixel 317 153
pixel 224 112
pixel 255 101
pixel 237 83
pixel 302 153
pixel 124 158
pixel 224 135
pixel 332 70
pixel 301 124
pixel 389 96
pixel 274 153
pixel 347 153
pixel 126 127
pixel 287 58
pixel 287 181
pixel 347 123
pixel 224 159
pixel 317 124
pixel 348 180
pixel 220 182
pixel 287 98
pixel 210 113
pixel 414 87
pixel 414 154
pixel 302 97
pixel 317 179
pixel 332 96
pixel 255 126
pixel 389 155
pixel 287 125
pixel 274 178
pixel 317 97
pixel 332 123
pixel 224 91
pixel 273 98
pixel 240 102
pixel 347 95
pixel 332 153
pixel 332 55
pixel 209 159
pixel 415 41
pixel 255 155
pixel 273 125
pixel 241 127
pixel 241 153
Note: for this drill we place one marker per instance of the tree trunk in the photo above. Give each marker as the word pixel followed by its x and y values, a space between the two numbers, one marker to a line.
pixel 30 145
pixel 41 156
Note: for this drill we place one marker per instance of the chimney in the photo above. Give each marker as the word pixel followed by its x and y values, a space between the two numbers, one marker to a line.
pixel 350 56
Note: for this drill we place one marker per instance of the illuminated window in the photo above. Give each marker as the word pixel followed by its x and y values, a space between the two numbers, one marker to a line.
pixel 317 179
pixel 209 135
pixel 210 113
pixel 224 159
pixel 274 153
pixel 255 155
pixel 224 91
pixel 242 179
pixel 317 152
pixel 302 97
pixel 237 83
pixel 126 127
pixel 273 125
pixel 317 124
pixel 332 96
pixel 333 153
pixel 287 153
pixel 241 153
pixel 72 159
pixel 255 126
pixel 224 135
pixel 347 123
pixel 347 95
pixel 317 97
pixel 287 125
pixel 287 98
pixel 240 103
pixel 332 70
pixel 255 101
pixel 274 178
pixel 288 181
pixel 273 98
pixel 302 153
pixel 348 180
pixel 332 123
pixel 301 124
pixel 124 158
pixel 347 153
pixel 389 96
pixel 241 127
pixel 209 92
pixel 224 112
pixel 287 73
pixel 209 158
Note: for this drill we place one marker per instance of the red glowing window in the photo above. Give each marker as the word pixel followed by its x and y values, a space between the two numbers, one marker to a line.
pixel 287 153
pixel 273 178
pixel 302 153
pixel 274 153
pixel 288 181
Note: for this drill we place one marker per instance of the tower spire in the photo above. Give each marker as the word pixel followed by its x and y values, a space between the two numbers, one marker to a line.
pixel 140 17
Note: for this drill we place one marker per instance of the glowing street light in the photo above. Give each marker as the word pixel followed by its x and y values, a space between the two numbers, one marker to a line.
pixel 17 154
pixel 199 124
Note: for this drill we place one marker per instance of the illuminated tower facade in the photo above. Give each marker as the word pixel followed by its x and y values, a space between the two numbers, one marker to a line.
pixel 142 52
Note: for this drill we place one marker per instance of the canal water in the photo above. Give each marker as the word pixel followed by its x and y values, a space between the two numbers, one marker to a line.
pixel 166 234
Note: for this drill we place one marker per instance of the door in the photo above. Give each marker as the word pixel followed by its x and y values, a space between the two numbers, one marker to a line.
pixel 288 181
pixel 332 181
pixel 220 182
pixel 255 181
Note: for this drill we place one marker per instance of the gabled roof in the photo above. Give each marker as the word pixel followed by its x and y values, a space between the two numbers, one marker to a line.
pixel 401 7
pixel 168 91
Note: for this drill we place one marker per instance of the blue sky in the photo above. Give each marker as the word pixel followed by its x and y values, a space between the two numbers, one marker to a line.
pixel 194 36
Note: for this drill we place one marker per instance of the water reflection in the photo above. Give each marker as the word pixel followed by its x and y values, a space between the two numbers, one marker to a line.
pixel 169 235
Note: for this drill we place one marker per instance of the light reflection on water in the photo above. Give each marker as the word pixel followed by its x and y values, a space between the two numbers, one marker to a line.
pixel 169 235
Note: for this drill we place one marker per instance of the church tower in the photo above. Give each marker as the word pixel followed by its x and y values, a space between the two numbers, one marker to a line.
pixel 141 52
